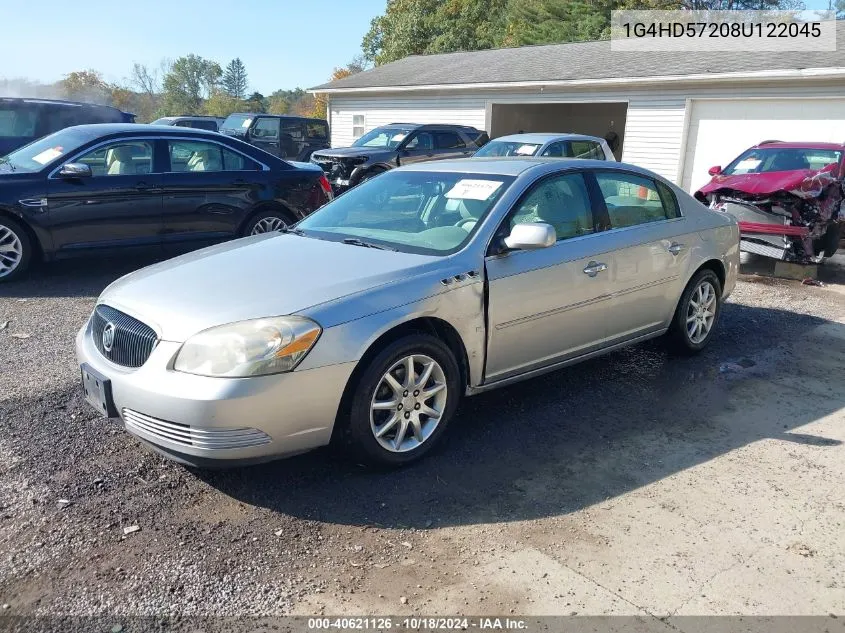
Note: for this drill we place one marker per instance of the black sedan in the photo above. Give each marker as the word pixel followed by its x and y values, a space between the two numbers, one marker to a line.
pixel 109 187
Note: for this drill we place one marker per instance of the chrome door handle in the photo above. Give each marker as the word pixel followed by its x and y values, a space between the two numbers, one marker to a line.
pixel 676 248
pixel 594 268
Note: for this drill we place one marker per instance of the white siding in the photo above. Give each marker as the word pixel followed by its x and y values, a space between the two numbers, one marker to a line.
pixel 461 110
pixel 654 127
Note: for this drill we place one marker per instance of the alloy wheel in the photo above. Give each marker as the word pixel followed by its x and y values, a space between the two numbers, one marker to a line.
pixel 268 225
pixel 701 312
pixel 408 403
pixel 11 251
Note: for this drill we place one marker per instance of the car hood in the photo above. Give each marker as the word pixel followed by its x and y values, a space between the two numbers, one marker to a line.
pixel 265 275
pixel 351 152
pixel 767 183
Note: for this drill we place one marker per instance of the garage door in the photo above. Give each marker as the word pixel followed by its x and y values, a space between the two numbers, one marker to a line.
pixel 720 130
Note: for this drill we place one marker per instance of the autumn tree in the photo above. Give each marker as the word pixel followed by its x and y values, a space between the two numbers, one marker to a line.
pixel 85 85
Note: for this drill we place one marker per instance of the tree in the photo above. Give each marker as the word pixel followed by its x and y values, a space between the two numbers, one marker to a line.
pixel 221 103
pixel 357 65
pixel 235 79
pixel 256 103
pixel 406 28
pixel 553 21
pixel 278 102
pixel 189 82
pixel 85 85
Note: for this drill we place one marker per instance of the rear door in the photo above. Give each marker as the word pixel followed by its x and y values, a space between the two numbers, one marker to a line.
pixel 549 304
pixel 119 206
pixel 208 190
pixel 651 252
pixel 264 134
pixel 450 144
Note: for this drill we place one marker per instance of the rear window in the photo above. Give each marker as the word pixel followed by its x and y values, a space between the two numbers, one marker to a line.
pixel 237 122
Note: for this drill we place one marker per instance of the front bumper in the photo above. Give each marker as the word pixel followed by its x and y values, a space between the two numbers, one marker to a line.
pixel 220 421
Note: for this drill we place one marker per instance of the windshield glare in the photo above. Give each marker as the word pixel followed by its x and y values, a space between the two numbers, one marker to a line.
pixel 768 159
pixel 236 122
pixel 429 213
pixel 38 154
pixel 508 148
pixel 383 137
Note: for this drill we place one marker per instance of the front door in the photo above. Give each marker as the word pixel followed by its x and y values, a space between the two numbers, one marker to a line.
pixel 264 134
pixel 119 206
pixel 417 149
pixel 549 304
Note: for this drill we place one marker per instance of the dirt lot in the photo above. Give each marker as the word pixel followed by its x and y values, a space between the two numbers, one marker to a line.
pixel 639 483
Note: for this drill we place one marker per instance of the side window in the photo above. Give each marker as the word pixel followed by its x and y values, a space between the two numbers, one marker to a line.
pixel 120 159
pixel 555 150
pixel 448 140
pixel 205 125
pixel 183 123
pixel 421 141
pixel 631 199
pixel 586 149
pixel 317 130
pixel 195 156
pixel 561 201
pixel 359 123
pixel 18 121
pixel 266 128
pixel 670 201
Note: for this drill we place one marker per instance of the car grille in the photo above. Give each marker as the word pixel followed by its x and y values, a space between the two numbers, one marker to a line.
pixel 333 167
pixel 133 341
pixel 209 439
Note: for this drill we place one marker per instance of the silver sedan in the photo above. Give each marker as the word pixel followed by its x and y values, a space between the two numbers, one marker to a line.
pixel 368 322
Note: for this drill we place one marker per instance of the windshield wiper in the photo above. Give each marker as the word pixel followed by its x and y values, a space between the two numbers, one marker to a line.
pixel 291 229
pixel 6 161
pixel 356 242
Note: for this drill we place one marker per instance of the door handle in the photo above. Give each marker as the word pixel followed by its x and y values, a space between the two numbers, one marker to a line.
pixel 675 248
pixel 594 268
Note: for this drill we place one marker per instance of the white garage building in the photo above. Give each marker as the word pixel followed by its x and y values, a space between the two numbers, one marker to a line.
pixel 677 114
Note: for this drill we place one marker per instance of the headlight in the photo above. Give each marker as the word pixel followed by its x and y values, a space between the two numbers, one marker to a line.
pixel 249 348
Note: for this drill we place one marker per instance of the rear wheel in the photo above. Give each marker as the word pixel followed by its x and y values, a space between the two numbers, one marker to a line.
pixel 267 221
pixel 403 401
pixel 15 249
pixel 697 313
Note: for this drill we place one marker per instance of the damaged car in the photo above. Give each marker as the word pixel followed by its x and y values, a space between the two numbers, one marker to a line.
pixel 787 198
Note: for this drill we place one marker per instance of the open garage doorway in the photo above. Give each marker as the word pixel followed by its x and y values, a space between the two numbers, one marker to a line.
pixel 606 120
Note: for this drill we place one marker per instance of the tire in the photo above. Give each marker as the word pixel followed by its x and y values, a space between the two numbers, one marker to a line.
pixel 686 338
pixel 375 171
pixel 265 220
pixel 358 433
pixel 15 250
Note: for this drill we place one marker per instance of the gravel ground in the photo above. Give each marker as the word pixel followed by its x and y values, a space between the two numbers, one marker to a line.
pixel 523 468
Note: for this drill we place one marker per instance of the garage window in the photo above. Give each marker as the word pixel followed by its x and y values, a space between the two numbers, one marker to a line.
pixel 632 199
pixel 359 123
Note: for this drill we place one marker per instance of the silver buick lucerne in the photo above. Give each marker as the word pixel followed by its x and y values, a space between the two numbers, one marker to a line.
pixel 368 321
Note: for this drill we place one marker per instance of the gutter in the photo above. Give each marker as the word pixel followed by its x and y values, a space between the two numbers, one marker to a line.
pixel 705 78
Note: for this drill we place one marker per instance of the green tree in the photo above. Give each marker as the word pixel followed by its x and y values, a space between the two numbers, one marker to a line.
pixel 235 79
pixel 85 85
pixel 278 102
pixel 554 21
pixel 469 25
pixel 256 103
pixel 406 28
pixel 190 81
pixel 221 103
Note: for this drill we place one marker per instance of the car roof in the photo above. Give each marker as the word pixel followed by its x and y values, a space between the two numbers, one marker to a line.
pixel 61 102
pixel 94 130
pixel 799 145
pixel 186 116
pixel 545 137
pixel 515 166
pixel 277 116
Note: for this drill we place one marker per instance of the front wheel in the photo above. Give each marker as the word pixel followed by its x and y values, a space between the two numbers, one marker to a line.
pixel 697 312
pixel 403 401
pixel 15 249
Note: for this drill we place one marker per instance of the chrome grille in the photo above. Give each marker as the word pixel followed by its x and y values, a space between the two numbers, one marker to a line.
pixel 207 438
pixel 133 341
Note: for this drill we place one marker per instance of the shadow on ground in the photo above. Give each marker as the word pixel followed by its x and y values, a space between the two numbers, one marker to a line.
pixel 555 444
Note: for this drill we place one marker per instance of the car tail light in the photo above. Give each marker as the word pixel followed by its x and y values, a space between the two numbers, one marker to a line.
pixel 327 188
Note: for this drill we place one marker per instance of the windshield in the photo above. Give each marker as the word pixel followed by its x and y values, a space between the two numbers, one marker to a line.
pixel 38 154
pixel 163 121
pixel 236 122
pixel 429 213
pixel 508 148
pixel 383 137
pixel 767 159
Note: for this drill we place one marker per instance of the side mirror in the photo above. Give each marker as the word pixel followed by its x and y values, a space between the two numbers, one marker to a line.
pixel 531 236
pixel 75 170
pixel 713 171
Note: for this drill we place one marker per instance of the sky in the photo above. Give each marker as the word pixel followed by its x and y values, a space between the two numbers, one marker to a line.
pixel 284 44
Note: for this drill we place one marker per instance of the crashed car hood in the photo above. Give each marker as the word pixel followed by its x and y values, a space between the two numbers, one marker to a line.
pixel 265 275
pixel 342 152
pixel 765 183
